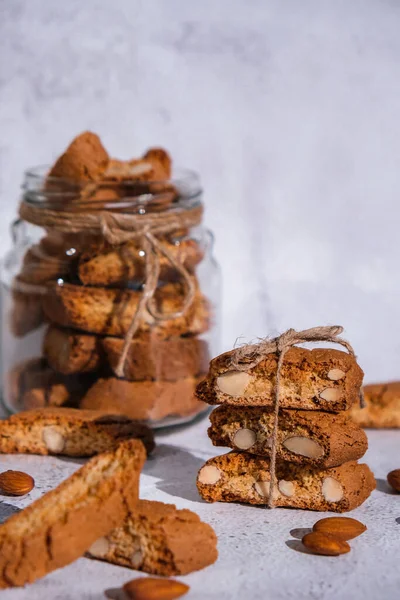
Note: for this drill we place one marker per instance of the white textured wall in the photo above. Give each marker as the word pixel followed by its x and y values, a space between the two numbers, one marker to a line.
pixel 289 110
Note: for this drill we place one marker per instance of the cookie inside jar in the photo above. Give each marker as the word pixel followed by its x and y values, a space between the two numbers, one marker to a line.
pixel 111 292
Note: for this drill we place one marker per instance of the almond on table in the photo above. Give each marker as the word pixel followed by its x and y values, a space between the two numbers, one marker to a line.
pixel 394 479
pixel 16 483
pixel 325 544
pixel 343 528
pixel 150 588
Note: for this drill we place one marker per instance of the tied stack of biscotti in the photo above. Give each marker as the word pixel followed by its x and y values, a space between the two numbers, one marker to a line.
pixel 317 445
pixel 87 291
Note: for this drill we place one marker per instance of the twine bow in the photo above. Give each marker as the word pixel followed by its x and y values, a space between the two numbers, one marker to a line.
pixel 118 228
pixel 250 355
pixel 152 248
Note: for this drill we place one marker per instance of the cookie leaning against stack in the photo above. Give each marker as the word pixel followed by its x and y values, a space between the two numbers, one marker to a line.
pixel 61 525
pixel 317 445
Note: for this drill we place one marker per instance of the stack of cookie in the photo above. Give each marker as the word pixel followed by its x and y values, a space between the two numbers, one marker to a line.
pixel 317 444
pixel 87 291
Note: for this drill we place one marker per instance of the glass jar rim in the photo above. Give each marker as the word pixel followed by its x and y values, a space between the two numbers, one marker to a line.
pixel 185 181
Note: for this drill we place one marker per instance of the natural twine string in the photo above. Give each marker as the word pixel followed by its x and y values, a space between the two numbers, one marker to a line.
pixel 249 355
pixel 117 228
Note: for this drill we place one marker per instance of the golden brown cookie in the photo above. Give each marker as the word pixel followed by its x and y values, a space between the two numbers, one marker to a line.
pixel 125 170
pixel 242 477
pixel 33 384
pixel 161 161
pixel 147 400
pixel 68 351
pixel 305 437
pixel 150 358
pixel 382 406
pixel 26 311
pixel 60 526
pixel 158 538
pixel 119 265
pixel 40 267
pixel 110 311
pixel 69 432
pixel 84 160
pixel 319 379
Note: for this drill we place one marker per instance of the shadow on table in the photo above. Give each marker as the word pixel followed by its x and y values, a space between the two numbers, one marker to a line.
pixel 297 546
pixel 177 470
pixel 6 510
pixel 300 532
pixel 383 486
pixel 115 594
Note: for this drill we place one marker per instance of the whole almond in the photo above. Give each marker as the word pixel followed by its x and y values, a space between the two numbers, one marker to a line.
pixel 325 544
pixel 342 528
pixel 394 479
pixel 151 588
pixel 16 483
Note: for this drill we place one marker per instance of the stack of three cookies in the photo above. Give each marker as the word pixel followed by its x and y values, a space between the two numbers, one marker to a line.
pixel 317 445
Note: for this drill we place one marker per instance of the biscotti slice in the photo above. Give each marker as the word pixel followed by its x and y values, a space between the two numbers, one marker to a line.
pixel 110 311
pixel 60 526
pixel 84 160
pixel 33 384
pixel 158 538
pixel 161 161
pixel 319 379
pixel 144 400
pixel 121 264
pixel 39 267
pixel 150 358
pixel 242 477
pixel 69 432
pixel 26 311
pixel 305 437
pixel 68 351
pixel 382 406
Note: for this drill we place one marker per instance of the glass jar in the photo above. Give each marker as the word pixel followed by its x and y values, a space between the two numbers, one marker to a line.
pixel 110 298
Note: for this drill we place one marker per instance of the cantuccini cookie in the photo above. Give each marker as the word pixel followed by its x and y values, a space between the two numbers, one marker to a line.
pixel 241 477
pixel 150 358
pixel 26 312
pixel 382 406
pixel 136 169
pixel 113 266
pixel 319 379
pixel 110 311
pixel 147 400
pixel 304 437
pixel 39 267
pixel 68 351
pixel 33 384
pixel 69 432
pixel 61 525
pixel 161 161
pixel 158 538
pixel 84 160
